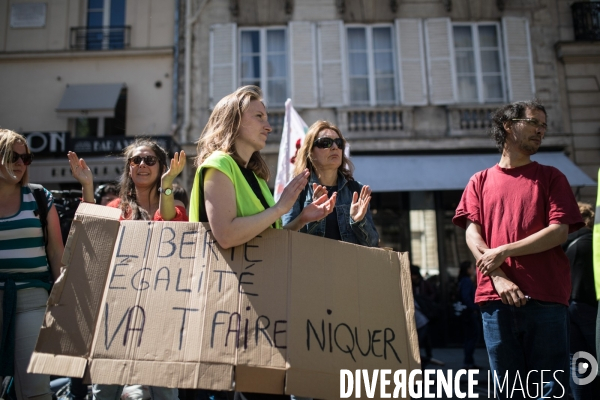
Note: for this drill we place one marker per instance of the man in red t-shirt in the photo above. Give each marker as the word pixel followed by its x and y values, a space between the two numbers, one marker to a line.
pixel 517 214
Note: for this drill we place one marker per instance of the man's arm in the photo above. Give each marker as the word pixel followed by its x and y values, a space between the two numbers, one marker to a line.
pixel 549 237
pixel 509 292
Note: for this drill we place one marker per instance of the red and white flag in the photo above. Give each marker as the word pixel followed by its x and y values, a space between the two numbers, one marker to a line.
pixel 294 130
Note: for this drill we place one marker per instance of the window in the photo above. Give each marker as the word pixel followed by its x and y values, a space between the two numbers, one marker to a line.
pixel 479 64
pixel 91 127
pixel 263 62
pixel 371 70
pixel 105 24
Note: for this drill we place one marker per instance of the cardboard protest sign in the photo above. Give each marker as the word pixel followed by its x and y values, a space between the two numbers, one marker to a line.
pixel 160 303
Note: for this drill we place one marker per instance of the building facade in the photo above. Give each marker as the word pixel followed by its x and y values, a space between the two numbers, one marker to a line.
pixel 86 76
pixel 411 84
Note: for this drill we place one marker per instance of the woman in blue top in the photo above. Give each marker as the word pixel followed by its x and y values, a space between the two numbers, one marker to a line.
pixel 26 261
pixel 322 152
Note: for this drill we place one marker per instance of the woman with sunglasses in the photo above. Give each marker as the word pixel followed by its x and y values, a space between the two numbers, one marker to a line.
pixel 230 189
pixel 146 193
pixel 27 266
pixel 322 153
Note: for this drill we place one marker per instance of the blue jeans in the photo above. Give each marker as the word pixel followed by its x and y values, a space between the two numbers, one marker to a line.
pixel 528 347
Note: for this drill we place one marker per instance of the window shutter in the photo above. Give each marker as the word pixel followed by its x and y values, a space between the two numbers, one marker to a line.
pixel 332 71
pixel 304 65
pixel 519 66
pixel 440 61
pixel 223 61
pixel 411 63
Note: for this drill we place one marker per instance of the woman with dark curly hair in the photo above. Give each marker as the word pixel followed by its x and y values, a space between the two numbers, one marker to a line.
pixel 146 193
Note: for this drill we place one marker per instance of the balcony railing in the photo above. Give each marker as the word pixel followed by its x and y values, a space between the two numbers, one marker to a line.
pixel 384 122
pixel 586 20
pixel 470 120
pixel 100 38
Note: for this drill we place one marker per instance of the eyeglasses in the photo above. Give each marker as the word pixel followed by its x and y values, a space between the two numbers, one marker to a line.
pixel 326 143
pixel 137 160
pixel 532 122
pixel 27 158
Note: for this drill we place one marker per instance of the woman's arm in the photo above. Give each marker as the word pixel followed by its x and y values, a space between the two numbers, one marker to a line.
pixel 365 230
pixel 361 218
pixel 55 248
pixel 168 203
pixel 230 230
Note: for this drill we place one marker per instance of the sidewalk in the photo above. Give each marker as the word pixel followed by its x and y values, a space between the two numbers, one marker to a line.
pixel 453 359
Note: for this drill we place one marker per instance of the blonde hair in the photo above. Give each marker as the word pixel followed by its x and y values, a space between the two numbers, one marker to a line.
pixel 9 138
pixel 223 127
pixel 587 214
pixel 303 158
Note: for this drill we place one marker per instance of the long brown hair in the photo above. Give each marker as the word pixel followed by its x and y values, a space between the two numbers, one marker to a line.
pixel 223 127
pixel 7 139
pixel 128 195
pixel 303 159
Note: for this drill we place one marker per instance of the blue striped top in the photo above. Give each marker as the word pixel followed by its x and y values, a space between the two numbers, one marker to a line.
pixel 22 247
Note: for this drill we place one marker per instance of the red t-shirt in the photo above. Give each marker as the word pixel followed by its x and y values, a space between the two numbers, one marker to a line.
pixel 180 214
pixel 512 204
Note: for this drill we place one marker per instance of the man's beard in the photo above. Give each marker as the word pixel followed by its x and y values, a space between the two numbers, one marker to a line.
pixel 528 148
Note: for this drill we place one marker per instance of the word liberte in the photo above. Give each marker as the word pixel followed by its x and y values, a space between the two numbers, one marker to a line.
pixel 417 386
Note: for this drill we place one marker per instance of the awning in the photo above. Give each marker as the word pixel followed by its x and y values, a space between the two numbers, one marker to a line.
pixel 90 101
pixel 445 172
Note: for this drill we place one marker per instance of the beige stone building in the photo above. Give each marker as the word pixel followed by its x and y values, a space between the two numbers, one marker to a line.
pixel 411 84
pixel 86 75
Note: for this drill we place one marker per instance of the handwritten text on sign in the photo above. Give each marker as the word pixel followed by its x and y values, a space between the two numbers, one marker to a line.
pixel 179 280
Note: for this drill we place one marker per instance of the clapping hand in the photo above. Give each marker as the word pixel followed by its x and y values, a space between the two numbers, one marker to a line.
pixel 177 165
pixel 318 191
pixel 319 208
pixel 360 203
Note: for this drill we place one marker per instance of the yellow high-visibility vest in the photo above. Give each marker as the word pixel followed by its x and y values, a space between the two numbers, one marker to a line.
pixel 597 244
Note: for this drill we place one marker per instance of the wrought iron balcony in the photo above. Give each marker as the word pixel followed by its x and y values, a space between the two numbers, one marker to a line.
pixel 586 20
pixel 100 38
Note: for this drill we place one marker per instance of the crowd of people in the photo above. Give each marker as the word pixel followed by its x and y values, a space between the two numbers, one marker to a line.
pixel 517 215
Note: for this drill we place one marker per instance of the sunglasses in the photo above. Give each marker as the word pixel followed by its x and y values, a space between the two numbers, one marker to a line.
pixel 27 158
pixel 148 160
pixel 327 143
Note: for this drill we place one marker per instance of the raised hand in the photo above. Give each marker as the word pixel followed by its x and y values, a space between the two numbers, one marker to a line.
pixel 83 174
pixel 360 203
pixel 80 170
pixel 177 165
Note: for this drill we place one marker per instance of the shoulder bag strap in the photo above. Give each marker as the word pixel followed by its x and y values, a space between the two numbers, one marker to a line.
pixel 40 199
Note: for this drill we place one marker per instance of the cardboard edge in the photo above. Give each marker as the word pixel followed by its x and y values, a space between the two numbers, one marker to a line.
pixel 184 375
pixel 51 364
pixel 259 379
pixel 409 308
pixel 70 248
pixel 95 210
